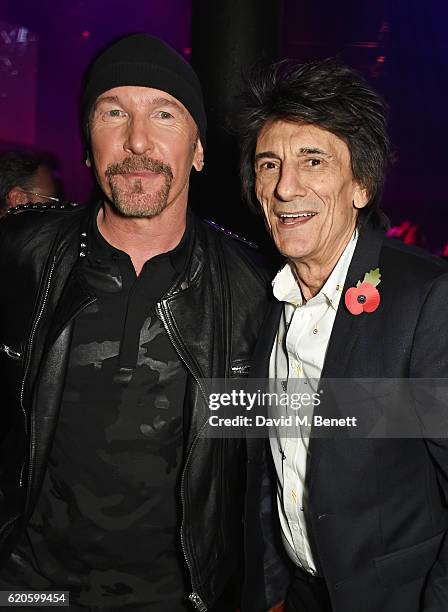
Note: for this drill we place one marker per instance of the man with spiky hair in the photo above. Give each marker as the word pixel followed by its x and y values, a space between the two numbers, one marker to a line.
pixel 363 521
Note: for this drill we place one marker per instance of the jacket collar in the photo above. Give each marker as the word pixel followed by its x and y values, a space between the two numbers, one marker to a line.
pixel 99 248
pixel 346 330
pixel 347 327
pixel 76 295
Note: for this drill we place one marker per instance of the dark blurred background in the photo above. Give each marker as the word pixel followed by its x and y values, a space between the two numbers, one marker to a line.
pixel 401 47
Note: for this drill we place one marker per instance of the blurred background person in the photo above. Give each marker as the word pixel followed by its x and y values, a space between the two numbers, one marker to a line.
pixel 409 233
pixel 27 177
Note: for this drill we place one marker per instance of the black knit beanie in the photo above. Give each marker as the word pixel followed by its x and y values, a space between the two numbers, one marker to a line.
pixel 144 61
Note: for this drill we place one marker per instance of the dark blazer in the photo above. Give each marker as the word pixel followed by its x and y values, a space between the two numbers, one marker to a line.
pixel 377 508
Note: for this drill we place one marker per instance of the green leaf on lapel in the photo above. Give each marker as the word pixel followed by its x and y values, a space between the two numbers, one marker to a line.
pixel 373 277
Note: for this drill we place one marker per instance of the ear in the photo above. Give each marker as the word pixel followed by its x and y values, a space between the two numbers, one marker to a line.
pixel 198 158
pixel 360 197
pixel 17 196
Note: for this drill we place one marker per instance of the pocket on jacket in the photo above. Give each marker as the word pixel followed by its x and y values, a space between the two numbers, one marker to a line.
pixel 409 563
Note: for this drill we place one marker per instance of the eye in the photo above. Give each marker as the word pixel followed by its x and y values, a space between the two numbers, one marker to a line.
pixel 268 165
pixel 165 115
pixel 313 162
pixel 113 114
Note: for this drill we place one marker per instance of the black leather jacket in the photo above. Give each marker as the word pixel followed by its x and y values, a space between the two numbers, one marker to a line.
pixel 212 315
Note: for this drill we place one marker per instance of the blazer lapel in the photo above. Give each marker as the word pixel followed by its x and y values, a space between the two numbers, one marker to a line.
pixel 346 326
pixel 346 330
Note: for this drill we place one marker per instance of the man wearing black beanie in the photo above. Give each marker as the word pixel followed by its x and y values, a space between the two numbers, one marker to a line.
pixel 114 314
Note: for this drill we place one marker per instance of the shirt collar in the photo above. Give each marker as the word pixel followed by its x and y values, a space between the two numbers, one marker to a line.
pixel 100 249
pixel 286 288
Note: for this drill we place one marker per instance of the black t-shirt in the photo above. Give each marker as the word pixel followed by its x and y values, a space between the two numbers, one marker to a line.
pixel 106 525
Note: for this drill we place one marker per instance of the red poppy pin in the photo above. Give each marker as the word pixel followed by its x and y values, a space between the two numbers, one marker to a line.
pixel 365 296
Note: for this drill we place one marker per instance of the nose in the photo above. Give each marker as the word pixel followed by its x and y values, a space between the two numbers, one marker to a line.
pixel 138 138
pixel 290 183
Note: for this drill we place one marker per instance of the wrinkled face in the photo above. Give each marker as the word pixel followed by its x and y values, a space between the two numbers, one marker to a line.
pixel 305 186
pixel 144 143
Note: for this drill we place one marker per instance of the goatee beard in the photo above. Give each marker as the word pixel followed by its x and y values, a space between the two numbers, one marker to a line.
pixel 136 202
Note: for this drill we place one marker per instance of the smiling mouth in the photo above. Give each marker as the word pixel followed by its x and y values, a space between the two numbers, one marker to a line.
pixel 295 218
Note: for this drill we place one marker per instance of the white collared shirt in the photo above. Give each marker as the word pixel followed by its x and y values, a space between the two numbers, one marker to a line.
pixel 299 353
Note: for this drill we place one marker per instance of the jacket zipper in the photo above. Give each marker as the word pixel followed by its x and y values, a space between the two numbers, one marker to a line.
pixel 28 355
pixel 8 350
pixel 31 340
pixel 194 597
pixel 197 602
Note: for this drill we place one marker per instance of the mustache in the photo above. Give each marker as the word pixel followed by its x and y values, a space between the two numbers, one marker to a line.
pixel 138 164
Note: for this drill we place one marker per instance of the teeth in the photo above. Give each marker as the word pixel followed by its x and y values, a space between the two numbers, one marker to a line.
pixel 295 215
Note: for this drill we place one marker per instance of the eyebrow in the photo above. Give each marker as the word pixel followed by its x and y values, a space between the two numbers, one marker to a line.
pixel 265 154
pixel 302 151
pixel 313 151
pixel 166 102
pixel 102 99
